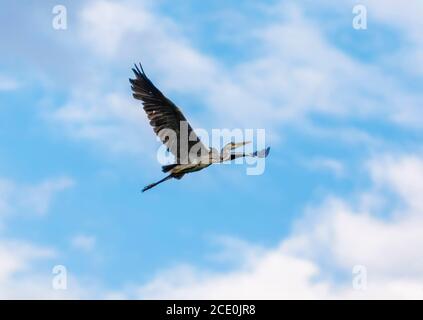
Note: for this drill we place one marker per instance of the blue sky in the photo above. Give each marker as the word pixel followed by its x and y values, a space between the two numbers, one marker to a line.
pixel 342 112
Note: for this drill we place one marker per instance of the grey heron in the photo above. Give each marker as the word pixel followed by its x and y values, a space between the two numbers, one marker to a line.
pixel 168 121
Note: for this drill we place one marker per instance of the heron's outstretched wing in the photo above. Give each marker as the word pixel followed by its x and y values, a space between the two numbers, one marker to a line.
pixel 164 116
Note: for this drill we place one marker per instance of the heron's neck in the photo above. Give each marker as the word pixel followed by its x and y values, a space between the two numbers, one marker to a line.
pixel 225 155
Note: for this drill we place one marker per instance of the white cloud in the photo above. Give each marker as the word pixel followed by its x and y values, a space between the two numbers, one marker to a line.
pixel 116 30
pixel 19 276
pixel 327 164
pixel 39 197
pixel 113 121
pixel 21 279
pixel 404 175
pixel 272 275
pixel 15 257
pixel 329 241
pixel 8 84
pixel 83 242
pixel 36 199
pixel 405 17
pixel 105 25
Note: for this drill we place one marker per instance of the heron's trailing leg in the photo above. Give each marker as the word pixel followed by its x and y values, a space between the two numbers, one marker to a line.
pixel 156 183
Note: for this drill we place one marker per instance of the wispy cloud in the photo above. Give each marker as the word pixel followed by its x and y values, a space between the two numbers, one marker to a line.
pixel 83 242
pixel 35 199
pixel 327 164
pixel 16 257
pixel 8 84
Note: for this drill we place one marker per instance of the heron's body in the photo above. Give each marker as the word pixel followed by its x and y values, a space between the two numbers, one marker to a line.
pixel 167 121
pixel 191 167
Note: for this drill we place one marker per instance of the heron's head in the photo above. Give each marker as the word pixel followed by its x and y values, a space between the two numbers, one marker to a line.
pixel 226 150
pixel 235 145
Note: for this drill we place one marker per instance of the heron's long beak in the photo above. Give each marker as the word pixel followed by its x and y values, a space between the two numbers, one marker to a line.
pixel 240 144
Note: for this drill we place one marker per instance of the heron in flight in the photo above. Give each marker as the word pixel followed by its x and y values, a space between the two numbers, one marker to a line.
pixel 168 123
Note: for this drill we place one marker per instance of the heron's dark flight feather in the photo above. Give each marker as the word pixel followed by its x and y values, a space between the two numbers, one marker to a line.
pixel 163 114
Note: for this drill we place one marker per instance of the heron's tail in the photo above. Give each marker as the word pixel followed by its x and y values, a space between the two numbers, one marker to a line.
pixel 156 183
pixel 168 167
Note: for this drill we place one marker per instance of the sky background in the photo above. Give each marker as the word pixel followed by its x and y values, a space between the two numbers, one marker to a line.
pixel 343 114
